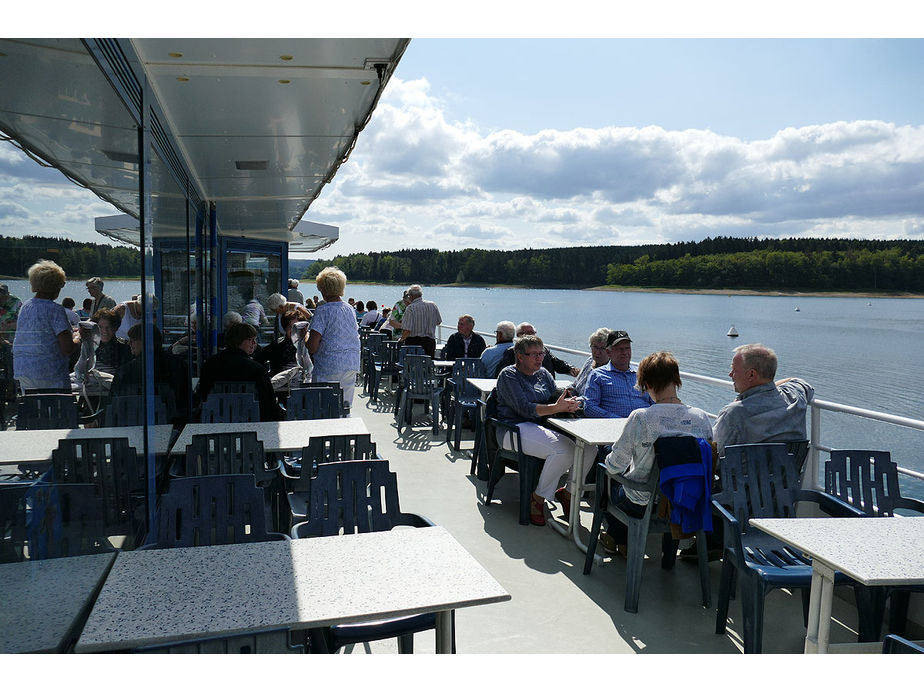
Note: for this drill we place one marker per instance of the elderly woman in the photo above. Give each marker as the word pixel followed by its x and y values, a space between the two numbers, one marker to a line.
pixel 333 340
pixel 525 393
pixel 278 304
pixel 44 338
pixel 633 454
pixel 598 357
pixel 113 351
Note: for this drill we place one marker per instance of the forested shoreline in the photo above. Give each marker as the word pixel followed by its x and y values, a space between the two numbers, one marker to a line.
pixel 796 264
pixel 77 258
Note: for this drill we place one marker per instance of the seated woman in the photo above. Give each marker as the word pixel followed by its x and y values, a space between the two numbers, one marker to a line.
pixel 633 454
pixel 360 310
pixel 598 357
pixel 372 316
pixel 525 393
pixel 113 352
pixel 281 354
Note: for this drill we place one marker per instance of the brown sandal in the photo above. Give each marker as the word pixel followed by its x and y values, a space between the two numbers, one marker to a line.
pixel 537 510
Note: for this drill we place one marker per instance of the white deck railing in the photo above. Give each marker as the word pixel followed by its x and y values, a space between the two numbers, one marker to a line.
pixel 816 407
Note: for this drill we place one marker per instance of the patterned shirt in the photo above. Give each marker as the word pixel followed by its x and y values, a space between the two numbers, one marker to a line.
pixel 9 311
pixel 36 353
pixel 396 313
pixel 338 351
pixel 611 393
pixel 580 382
pixel 767 413
pixel 633 454
pixel 421 318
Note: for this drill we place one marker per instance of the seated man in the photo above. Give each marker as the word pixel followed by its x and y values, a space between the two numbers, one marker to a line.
pixel 598 357
pixel 491 356
pixel 234 364
pixel 763 411
pixel 611 391
pixel 280 355
pixel 465 343
pixel 551 363
pixel 525 392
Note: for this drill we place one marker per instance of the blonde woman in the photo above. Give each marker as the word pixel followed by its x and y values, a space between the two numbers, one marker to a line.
pixel 44 338
pixel 333 340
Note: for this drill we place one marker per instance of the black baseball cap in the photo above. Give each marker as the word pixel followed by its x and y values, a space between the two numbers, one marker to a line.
pixel 617 336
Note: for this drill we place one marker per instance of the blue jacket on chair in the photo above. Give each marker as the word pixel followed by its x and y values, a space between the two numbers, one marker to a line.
pixel 686 481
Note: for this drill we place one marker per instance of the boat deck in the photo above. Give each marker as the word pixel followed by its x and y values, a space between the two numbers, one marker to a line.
pixel 554 607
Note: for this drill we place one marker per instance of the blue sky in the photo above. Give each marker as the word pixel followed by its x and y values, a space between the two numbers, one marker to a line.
pixel 512 143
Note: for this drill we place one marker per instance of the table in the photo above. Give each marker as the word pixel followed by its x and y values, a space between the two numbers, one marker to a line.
pixel 872 550
pixel 37 446
pixel 44 602
pixel 584 432
pixel 159 596
pixel 277 436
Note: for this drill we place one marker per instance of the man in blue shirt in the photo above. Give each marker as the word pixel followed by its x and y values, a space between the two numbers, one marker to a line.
pixel 610 391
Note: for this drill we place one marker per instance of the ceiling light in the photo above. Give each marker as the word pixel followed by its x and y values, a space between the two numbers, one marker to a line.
pixel 284 81
pixel 285 57
pixel 175 55
pixel 182 79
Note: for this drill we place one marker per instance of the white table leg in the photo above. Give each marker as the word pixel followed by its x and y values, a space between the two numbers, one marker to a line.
pixel 444 632
pixel 817 636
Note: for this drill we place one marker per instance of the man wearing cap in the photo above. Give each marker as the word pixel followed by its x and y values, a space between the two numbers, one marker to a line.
pixel 9 314
pixel 764 411
pixel 611 391
pixel 100 300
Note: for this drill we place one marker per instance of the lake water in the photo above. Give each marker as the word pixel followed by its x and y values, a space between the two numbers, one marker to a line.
pixel 856 351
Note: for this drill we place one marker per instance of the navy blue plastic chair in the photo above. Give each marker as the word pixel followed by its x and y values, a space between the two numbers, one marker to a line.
pixel 868 480
pixel 42 412
pixel 528 466
pixel 463 397
pixel 384 363
pixel 211 510
pixel 128 410
pixel 15 507
pixel 762 480
pixel 222 407
pixel 230 387
pixel 314 403
pixel 67 520
pixel 367 354
pixel 276 641
pixel 355 497
pixel 674 447
pixel 895 644
pixel 420 385
pixel 404 350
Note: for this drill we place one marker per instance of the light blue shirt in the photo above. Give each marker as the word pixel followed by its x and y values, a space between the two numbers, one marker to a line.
pixel 611 393
pixel 338 351
pixel 492 356
pixel 36 354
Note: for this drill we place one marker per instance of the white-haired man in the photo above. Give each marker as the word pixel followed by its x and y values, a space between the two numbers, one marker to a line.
pixel 420 320
pixel 503 335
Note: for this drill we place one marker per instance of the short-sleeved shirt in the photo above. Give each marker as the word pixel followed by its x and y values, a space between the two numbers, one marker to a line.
pixel 421 319
pixel 103 302
pixel 36 353
pixel 397 312
pixel 9 312
pixel 611 393
pixel 338 351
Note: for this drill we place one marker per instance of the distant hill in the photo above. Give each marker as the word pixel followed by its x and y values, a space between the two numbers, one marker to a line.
pixel 297 268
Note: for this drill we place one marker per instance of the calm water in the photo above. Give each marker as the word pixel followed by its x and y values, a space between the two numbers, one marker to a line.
pixel 856 351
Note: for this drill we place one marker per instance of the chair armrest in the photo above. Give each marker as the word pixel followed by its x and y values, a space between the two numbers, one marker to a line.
pixel 831 505
pixel 277 536
pixel 732 530
pixel 414 520
pixel 910 504
pixel 629 483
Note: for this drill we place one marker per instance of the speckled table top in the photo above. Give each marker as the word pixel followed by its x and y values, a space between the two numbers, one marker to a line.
pixel 40 600
pixel 873 550
pixel 591 431
pixel 485 385
pixel 164 595
pixel 277 436
pixel 37 446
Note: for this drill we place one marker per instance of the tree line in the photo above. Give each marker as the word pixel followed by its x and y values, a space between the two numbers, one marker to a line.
pixel 78 259
pixel 797 264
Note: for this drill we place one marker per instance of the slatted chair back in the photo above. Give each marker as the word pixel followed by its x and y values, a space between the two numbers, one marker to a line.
pixel 463 369
pixel 212 454
pixel 324 449
pixel 867 479
pixel 419 375
pixel 405 350
pixel 758 480
pixel 354 497
pixel 229 387
pixel 211 510
pixel 128 410
pixel 15 506
pixel 258 642
pixel 230 408
pixel 67 520
pixel 162 392
pixel 47 411
pixel 114 468
pixel 314 403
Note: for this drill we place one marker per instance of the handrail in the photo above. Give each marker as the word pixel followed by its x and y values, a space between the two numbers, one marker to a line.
pixel 816 406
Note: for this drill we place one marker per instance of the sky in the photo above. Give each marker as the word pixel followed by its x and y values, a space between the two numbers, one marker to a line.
pixel 508 143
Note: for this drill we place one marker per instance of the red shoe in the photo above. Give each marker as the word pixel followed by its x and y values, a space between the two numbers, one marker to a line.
pixel 537 511
pixel 563 496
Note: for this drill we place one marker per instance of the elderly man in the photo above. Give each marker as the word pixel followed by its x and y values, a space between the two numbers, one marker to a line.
pixel 598 357
pixel 100 300
pixel 420 320
pixel 611 391
pixel 503 335
pixel 763 411
pixel 465 343
pixel 9 312
pixel 551 363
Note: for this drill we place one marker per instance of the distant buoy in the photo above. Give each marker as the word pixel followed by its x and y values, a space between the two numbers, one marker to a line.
pixel 732 332
pixel 868 303
pixel 797 309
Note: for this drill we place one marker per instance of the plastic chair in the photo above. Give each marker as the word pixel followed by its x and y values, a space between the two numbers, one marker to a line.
pixel 211 510
pixel 528 466
pixel 67 520
pixel 229 387
pixel 384 363
pixel 116 471
pixel 404 350
pixel 668 447
pixel 15 506
pixel 230 408
pixel 868 480
pixel 128 410
pixel 762 480
pixel 895 644
pixel 464 397
pixel 356 497
pixel 368 350
pixel 420 384
pixel 257 642
pixel 42 412
pixel 314 403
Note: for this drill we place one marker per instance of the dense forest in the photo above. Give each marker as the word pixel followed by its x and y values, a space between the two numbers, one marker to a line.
pixel 78 259
pixel 797 264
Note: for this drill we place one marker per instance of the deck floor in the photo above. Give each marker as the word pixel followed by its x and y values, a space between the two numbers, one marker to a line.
pixel 554 607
